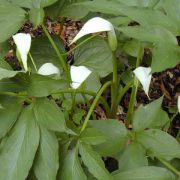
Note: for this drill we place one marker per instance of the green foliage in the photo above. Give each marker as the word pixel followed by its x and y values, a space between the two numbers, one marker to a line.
pixel 45 127
pixel 11 19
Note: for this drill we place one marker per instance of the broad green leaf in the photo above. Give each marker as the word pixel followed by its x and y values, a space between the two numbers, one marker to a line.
pixel 92 136
pixel 103 6
pixel 172 9
pixel 74 11
pixel 145 16
pixel 95 55
pixel 93 162
pixel 165 56
pixel 5 73
pixel 43 52
pixel 71 169
pixel 159 144
pixel 4 47
pixel 5 65
pixel 153 34
pixel 49 115
pixel 54 10
pixel 19 148
pixel 132 47
pixel 47 159
pixel 134 156
pixel 145 116
pixel 40 86
pixel 31 4
pixel 36 16
pixel 145 173
pixel 141 3
pixel 11 19
pixel 116 136
pixel 8 116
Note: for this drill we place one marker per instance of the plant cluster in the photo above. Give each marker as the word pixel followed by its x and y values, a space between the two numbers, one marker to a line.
pixel 44 133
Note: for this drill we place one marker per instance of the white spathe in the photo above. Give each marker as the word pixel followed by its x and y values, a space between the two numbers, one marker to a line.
pixel 78 75
pixel 95 25
pixel 178 104
pixel 48 69
pixel 144 76
pixel 23 43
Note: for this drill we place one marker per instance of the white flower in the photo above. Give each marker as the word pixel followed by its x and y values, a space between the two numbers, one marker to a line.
pixel 23 43
pixel 78 75
pixel 95 25
pixel 48 69
pixel 178 104
pixel 144 76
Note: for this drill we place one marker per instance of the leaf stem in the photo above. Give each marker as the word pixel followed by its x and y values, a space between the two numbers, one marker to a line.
pixel 123 92
pixel 114 85
pixel 56 49
pixel 134 91
pixel 33 62
pixel 169 166
pixel 90 93
pixel 107 84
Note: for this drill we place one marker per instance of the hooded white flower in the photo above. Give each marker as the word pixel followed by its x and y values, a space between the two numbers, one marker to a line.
pixel 144 76
pixel 95 25
pixel 48 69
pixel 178 104
pixel 78 75
pixel 23 43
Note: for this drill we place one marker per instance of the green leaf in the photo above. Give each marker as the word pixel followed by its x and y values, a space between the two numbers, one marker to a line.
pixel 95 55
pixel 159 144
pixel 145 16
pixel 40 86
pixel 9 116
pixel 145 116
pixel 72 169
pixel 36 16
pixel 103 6
pixel 153 34
pixel 47 160
pixel 49 115
pixel 4 47
pixel 11 19
pixel 92 136
pixel 4 73
pixel 54 10
pixel 172 9
pixel 141 3
pixel 43 52
pixel 93 162
pixel 74 11
pixel 164 57
pixel 134 156
pixel 145 173
pixel 116 136
pixel 131 47
pixel 31 4
pixel 19 148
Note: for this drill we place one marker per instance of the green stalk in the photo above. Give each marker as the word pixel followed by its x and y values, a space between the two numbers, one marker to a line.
pixel 123 92
pixel 103 88
pixel 12 94
pixel 170 167
pixel 114 86
pixel 90 93
pixel 33 62
pixel 88 105
pixel 134 92
pixel 56 49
